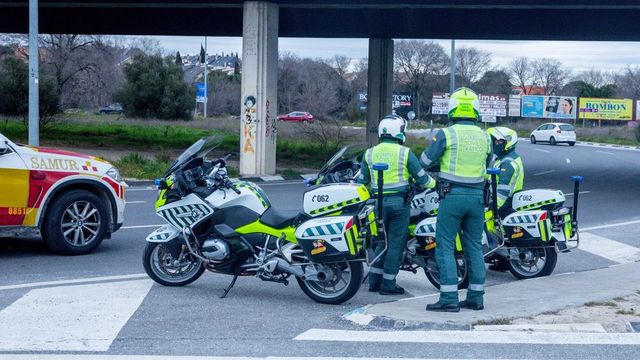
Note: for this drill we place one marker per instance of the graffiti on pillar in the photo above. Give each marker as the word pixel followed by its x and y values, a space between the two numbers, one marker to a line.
pixel 271 127
pixel 249 121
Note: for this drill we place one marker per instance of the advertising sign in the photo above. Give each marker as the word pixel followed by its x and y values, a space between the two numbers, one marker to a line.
pixel 397 101
pixel 493 105
pixel 514 105
pixel 606 109
pixel 440 104
pixel 200 93
pixel 549 107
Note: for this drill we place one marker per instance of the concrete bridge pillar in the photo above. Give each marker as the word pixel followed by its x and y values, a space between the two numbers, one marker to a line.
pixel 380 85
pixel 258 128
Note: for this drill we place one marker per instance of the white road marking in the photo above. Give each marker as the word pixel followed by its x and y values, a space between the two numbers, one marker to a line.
pixel 581 192
pixel 295 182
pixel 70 318
pixel 163 357
pixel 148 188
pixel 604 152
pixel 570 328
pixel 141 226
pixel 136 202
pixel 608 249
pixel 606 226
pixel 271 178
pixel 568 160
pixel 544 151
pixel 75 281
pixel 472 337
pixel 544 172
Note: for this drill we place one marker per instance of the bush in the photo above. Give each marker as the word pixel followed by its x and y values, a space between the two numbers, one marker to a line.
pixel 14 91
pixel 155 88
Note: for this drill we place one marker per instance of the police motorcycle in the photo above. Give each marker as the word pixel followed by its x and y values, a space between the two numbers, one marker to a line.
pixel 537 228
pixel 230 227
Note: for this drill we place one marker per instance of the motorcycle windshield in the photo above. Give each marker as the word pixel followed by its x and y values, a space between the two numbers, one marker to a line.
pixel 348 152
pixel 199 148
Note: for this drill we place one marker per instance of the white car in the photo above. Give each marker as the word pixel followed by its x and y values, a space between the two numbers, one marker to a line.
pixel 554 133
pixel 72 201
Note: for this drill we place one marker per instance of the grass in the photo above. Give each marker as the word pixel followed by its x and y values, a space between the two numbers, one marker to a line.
pixel 601 303
pixel 619 298
pixel 137 167
pixel 625 312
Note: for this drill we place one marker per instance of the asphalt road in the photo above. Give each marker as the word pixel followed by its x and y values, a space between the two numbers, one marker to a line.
pixel 262 319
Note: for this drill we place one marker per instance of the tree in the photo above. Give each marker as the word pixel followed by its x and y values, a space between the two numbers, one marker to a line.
pixel 493 82
pixel 178 58
pixel 155 88
pixel 341 64
pixel 520 71
pixel 14 91
pixel 628 83
pixel 224 93
pixel 203 55
pixel 550 74
pixel 588 90
pixel 471 62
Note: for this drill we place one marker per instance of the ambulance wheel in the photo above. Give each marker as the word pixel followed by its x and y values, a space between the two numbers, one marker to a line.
pixel 334 283
pixel 533 263
pixel 533 139
pixel 433 274
pixel 75 223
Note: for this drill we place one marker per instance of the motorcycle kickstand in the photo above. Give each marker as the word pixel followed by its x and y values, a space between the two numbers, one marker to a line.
pixel 226 291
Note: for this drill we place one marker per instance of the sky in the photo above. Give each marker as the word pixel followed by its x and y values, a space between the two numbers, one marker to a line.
pixel 578 55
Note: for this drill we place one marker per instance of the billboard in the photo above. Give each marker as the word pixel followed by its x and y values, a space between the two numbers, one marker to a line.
pixel 440 104
pixel 398 101
pixel 606 109
pixel 493 105
pixel 549 107
pixel 514 105
pixel 490 104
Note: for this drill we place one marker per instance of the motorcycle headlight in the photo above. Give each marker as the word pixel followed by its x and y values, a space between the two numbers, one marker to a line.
pixel 114 174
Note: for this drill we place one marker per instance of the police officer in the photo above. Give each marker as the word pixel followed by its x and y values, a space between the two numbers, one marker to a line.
pixel 403 164
pixel 511 177
pixel 463 152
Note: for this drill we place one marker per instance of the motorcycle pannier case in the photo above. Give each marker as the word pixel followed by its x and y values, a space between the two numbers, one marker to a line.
pixel 528 228
pixel 328 239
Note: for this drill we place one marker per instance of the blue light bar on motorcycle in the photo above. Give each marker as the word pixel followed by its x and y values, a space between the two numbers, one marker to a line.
pixel 493 171
pixel 577 178
pixel 380 166
pixel 157 182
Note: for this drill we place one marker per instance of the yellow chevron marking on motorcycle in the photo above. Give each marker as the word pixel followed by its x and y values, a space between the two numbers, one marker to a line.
pixel 541 203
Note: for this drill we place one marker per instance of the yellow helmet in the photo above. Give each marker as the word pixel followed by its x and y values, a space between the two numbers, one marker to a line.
pixel 464 104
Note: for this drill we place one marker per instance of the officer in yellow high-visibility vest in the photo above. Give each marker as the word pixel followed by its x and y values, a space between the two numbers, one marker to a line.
pixel 463 152
pixel 403 165
pixel 510 179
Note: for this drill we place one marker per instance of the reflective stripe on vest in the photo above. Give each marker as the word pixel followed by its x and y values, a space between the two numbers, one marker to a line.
pixel 516 182
pixel 396 178
pixel 465 155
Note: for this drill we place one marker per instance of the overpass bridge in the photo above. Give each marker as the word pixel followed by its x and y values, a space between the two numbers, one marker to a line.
pixel 261 23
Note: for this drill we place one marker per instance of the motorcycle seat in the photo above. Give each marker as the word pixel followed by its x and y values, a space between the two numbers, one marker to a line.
pixel 278 219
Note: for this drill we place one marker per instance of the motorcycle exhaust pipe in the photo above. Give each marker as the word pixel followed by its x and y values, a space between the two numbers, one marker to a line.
pixel 283 266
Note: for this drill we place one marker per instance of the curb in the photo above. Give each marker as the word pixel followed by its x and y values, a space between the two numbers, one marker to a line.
pixel 595 144
pixel 358 317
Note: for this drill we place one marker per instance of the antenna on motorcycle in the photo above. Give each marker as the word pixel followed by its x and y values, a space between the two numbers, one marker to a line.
pixel 494 190
pixel 576 190
pixel 380 168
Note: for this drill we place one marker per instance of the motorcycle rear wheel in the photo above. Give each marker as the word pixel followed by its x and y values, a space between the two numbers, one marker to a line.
pixel 341 281
pixel 531 267
pixel 433 274
pixel 164 269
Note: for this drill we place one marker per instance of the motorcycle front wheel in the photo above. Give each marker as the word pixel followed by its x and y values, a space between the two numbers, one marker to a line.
pixel 337 282
pixel 531 263
pixel 167 270
pixel 433 274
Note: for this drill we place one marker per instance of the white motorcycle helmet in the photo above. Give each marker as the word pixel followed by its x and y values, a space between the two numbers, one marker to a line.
pixel 509 136
pixel 392 126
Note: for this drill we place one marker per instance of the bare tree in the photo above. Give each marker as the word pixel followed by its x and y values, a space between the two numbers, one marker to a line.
pixel 341 64
pixel 628 83
pixel 471 63
pixel 596 78
pixel 550 74
pixel 520 71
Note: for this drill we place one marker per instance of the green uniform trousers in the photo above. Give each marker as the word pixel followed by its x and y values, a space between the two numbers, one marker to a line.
pixel 396 223
pixel 461 211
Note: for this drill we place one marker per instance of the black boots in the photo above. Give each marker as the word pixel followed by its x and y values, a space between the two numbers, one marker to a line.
pixel 440 307
pixel 471 305
pixel 395 291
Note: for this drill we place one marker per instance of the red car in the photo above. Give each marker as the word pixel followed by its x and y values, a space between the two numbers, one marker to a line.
pixel 298 116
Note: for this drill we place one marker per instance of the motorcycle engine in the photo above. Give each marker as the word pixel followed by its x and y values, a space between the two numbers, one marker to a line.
pixel 215 249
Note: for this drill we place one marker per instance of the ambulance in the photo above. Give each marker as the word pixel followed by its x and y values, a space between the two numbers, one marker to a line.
pixel 71 201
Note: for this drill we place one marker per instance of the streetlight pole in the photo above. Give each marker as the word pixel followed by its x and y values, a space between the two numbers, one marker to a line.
pixel 34 98
pixel 206 65
pixel 452 79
